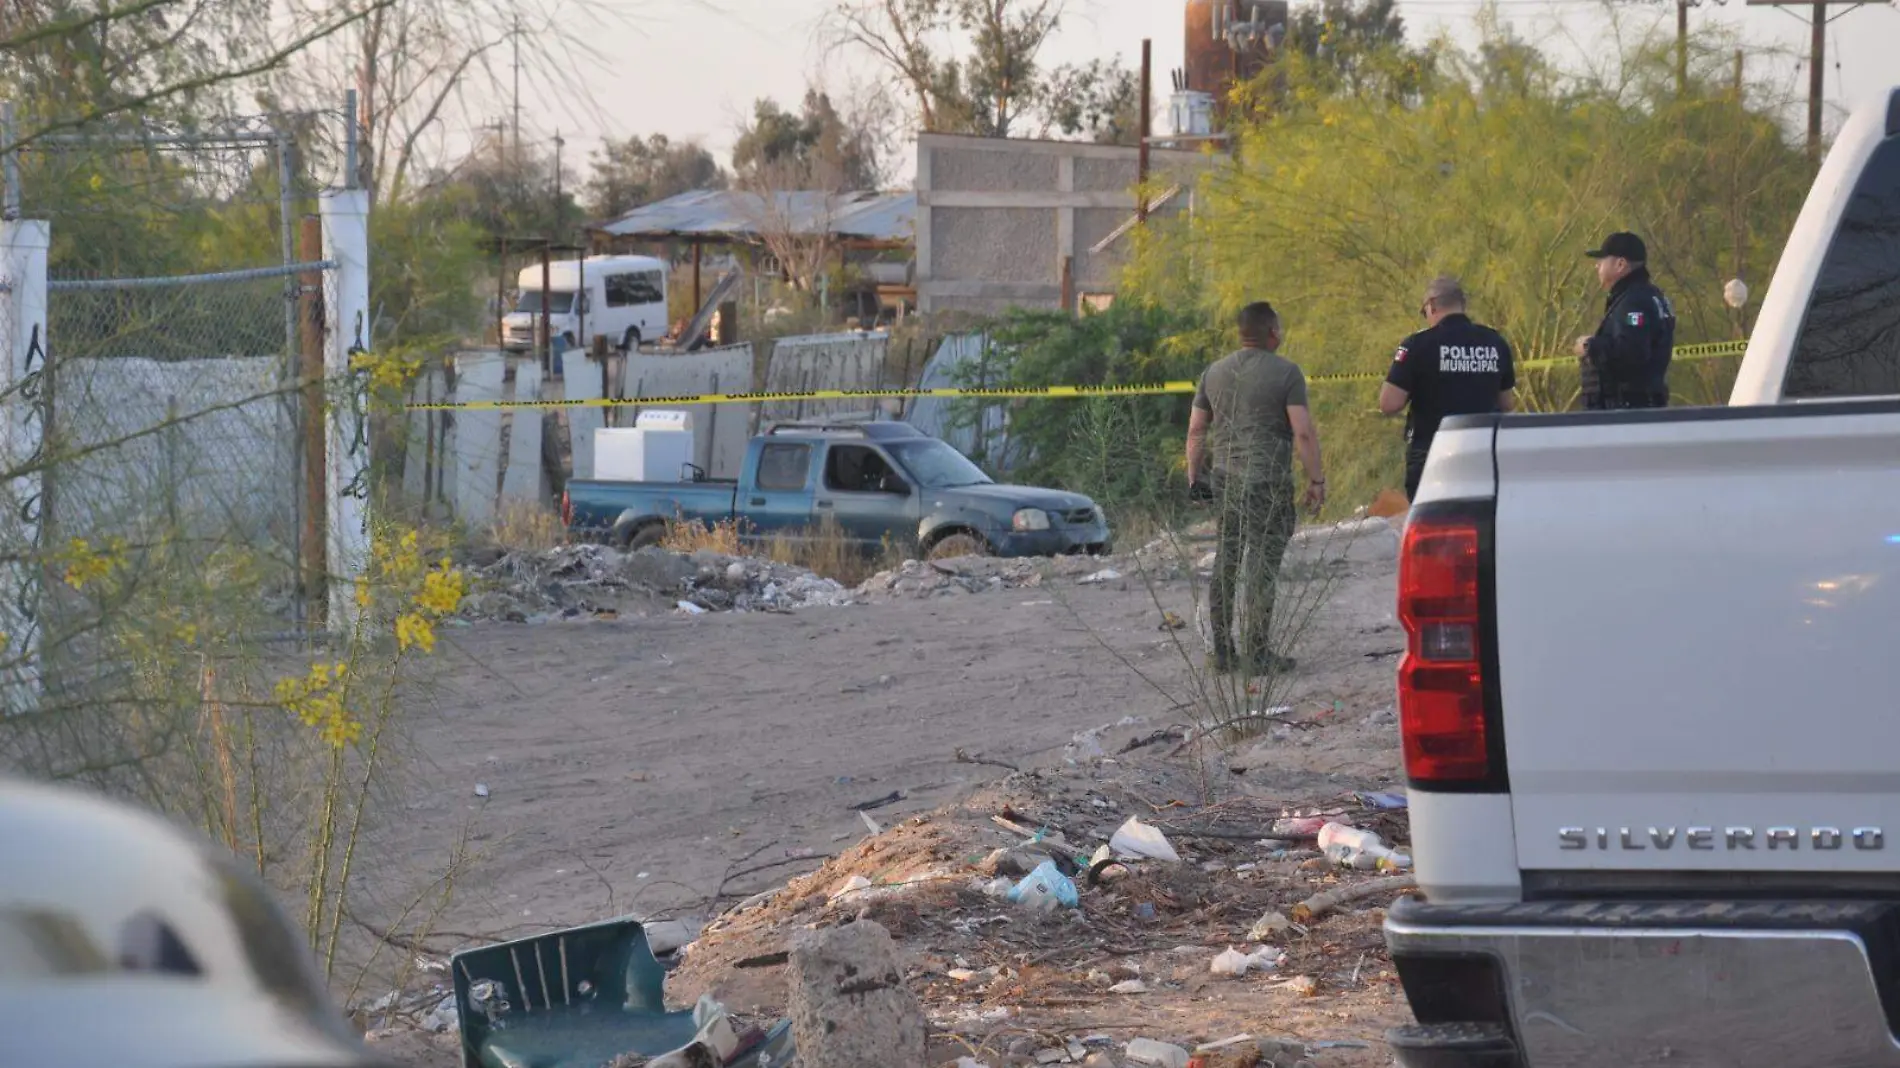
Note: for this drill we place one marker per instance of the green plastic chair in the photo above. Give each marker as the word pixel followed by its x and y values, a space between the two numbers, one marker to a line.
pixel 571 999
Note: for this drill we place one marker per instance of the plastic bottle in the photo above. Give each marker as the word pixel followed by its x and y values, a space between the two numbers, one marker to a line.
pixel 1360 850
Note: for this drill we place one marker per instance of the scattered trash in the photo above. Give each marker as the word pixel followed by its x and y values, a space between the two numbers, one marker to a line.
pixel 1129 986
pixel 1350 847
pixel 1235 963
pixel 1298 826
pixel 1304 985
pixel 1381 800
pixel 970 1062
pixel 1340 1043
pixel 443 1018
pixel 870 823
pixel 1320 904
pixel 1145 911
pixel 1162 1054
pixel 1046 888
pixel 1171 621
pixel 589 581
pixel 854 885
pixel 481 789
pixel 1107 574
pixel 1137 839
pixel 1087 745
pixel 891 798
pixel 1268 926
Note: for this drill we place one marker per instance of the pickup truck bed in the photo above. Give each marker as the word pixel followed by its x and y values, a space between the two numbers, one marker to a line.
pixel 1648 702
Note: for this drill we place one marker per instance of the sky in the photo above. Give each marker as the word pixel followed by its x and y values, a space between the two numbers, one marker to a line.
pixel 692 68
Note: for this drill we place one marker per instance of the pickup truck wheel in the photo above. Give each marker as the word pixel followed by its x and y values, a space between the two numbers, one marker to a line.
pixel 957 545
pixel 646 537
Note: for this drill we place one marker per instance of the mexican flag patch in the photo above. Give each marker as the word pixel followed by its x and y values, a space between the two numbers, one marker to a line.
pixel 1636 318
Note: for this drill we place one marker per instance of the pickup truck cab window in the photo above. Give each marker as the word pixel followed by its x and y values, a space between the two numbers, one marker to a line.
pixel 860 469
pixel 1849 344
pixel 935 465
pixel 784 465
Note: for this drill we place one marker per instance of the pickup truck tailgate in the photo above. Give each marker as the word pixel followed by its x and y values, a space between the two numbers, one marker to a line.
pixel 1699 638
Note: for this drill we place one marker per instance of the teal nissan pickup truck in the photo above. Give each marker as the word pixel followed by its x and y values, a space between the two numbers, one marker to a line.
pixel 879 481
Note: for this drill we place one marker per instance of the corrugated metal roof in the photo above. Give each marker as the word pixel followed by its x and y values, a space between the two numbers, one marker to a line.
pixel 734 213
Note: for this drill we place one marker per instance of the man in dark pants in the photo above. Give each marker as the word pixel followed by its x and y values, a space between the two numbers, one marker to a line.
pixel 1250 412
pixel 1627 359
pixel 1452 367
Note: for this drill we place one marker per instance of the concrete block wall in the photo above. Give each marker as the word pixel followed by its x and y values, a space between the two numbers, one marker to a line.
pixel 996 218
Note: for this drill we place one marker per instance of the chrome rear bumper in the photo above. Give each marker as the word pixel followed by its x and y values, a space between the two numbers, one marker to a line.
pixel 1716 983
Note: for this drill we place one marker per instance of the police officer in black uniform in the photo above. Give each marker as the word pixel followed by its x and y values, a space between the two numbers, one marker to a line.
pixel 1625 364
pixel 1452 367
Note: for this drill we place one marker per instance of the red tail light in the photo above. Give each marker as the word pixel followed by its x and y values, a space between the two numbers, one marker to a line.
pixel 567 510
pixel 1442 714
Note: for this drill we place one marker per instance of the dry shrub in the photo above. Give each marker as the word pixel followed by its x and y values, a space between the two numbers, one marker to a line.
pixel 527 526
pixel 823 549
pixel 826 550
pixel 695 535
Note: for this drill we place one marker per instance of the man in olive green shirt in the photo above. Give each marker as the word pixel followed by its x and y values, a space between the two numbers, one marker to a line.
pixel 1250 412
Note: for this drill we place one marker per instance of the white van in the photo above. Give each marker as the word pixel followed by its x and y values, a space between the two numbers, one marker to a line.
pixel 623 297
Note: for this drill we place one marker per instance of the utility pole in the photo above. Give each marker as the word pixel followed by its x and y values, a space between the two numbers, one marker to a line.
pixel 1682 47
pixel 560 204
pixel 1143 128
pixel 515 108
pixel 1817 61
pixel 1817 76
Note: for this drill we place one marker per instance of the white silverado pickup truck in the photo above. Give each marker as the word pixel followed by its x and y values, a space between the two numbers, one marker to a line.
pixel 1651 698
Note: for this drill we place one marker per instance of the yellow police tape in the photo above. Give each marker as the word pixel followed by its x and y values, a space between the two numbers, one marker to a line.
pixel 1688 352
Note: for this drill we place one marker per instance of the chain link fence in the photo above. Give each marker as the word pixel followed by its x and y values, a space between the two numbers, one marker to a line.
pixel 175 417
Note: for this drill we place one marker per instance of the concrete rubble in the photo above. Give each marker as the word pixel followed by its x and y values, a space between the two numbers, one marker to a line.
pixel 589 581
pixel 850 1008
pixel 575 581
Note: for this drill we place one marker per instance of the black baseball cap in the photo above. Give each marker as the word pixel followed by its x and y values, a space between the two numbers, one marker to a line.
pixel 1627 246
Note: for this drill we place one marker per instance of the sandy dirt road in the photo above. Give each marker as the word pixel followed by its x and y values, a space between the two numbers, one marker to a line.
pixel 631 765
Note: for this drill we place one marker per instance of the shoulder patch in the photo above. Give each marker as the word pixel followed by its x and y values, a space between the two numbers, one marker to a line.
pixel 1636 318
pixel 1399 356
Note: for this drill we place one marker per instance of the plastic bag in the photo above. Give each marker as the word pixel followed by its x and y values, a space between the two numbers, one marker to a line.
pixel 1137 839
pixel 1235 963
pixel 1045 888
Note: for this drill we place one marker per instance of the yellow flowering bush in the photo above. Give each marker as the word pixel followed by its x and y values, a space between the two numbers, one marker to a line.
pixel 318 699
pixel 85 565
pixel 387 370
pixel 398 590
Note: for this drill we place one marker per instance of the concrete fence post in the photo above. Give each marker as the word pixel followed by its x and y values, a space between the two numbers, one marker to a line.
pixel 23 377
pixel 345 214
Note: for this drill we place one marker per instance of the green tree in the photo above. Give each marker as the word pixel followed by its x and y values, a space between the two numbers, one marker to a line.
pixel 1340 205
pixel 816 147
pixel 1099 100
pixel 974 67
pixel 632 172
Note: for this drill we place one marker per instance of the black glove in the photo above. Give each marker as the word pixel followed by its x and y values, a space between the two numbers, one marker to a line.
pixel 1200 491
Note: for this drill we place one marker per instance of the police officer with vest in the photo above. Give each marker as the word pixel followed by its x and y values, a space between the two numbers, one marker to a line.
pixel 1452 367
pixel 1625 364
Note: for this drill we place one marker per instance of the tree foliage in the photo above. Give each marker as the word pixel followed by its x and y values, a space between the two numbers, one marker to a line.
pixel 1346 195
pixel 628 173
pixel 974 67
pixel 815 147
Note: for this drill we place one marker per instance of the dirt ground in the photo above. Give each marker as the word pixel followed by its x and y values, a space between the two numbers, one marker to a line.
pixel 667 764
